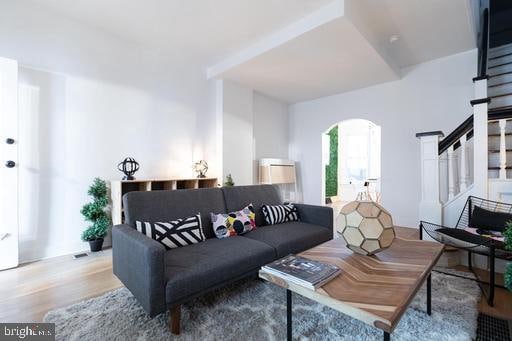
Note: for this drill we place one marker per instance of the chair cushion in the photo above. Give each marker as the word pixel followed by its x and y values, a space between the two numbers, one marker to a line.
pixel 461 238
pixel 195 268
pixel 292 237
pixel 489 220
pixel 237 197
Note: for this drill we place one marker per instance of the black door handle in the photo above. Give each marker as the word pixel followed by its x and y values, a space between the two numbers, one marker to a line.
pixel 9 141
pixel 10 164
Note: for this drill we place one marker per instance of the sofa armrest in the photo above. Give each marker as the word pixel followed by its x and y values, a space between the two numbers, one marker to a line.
pixel 318 215
pixel 138 262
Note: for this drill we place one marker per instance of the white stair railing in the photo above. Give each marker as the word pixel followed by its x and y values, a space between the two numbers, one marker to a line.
pixel 451 166
pixel 456 167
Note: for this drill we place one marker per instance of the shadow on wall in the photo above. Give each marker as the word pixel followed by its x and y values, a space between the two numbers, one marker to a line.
pixel 41 184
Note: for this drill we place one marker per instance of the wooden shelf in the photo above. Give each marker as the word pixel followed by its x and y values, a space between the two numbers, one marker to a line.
pixel 121 187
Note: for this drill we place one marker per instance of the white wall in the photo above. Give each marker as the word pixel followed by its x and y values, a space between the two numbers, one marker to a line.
pixel 94 99
pixel 237 132
pixel 250 126
pixel 430 96
pixel 270 129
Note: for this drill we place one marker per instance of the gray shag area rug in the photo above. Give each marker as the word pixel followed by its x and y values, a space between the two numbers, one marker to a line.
pixel 256 310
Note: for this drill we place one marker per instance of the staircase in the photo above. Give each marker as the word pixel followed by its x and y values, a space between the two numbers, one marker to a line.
pixel 476 158
pixel 499 70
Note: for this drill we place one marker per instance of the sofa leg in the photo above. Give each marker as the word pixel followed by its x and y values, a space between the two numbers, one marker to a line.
pixel 174 319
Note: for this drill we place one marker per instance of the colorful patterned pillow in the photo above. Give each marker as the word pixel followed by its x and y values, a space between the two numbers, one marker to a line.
pixel 234 223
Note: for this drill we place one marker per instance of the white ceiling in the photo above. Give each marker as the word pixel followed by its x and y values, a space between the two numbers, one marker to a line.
pixel 249 41
pixel 353 50
pixel 315 65
pixel 428 29
pixel 205 30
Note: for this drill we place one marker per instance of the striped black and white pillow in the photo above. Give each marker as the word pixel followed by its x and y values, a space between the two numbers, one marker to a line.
pixel 173 234
pixel 280 213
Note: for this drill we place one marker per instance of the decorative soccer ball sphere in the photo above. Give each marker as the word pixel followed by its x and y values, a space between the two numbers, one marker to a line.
pixel 366 227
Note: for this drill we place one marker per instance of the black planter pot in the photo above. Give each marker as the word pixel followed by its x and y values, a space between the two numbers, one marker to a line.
pixel 96 245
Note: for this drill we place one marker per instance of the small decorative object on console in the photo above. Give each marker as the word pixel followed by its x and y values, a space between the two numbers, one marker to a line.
pixel 128 166
pixel 306 272
pixel 366 227
pixel 200 168
pixel 229 181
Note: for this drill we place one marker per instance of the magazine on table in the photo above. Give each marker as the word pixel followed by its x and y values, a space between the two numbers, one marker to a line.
pixel 306 272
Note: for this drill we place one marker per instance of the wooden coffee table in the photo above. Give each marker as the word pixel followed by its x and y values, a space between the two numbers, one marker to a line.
pixel 374 289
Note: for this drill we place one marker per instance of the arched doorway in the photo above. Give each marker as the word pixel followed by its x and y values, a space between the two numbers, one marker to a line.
pixel 351 162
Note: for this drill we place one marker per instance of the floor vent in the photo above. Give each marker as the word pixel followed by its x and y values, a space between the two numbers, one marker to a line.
pixel 80 255
pixel 492 329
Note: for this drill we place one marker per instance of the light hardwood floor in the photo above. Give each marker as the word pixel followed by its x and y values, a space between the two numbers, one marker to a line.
pixel 28 292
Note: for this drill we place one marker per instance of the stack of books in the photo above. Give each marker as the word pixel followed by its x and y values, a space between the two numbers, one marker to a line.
pixel 306 272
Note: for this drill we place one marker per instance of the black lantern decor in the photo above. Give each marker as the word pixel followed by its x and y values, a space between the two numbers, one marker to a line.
pixel 129 166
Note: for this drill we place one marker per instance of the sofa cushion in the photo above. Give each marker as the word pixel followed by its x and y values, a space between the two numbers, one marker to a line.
pixel 238 197
pixel 278 214
pixel 172 205
pixel 173 234
pixel 233 223
pixel 195 268
pixel 292 237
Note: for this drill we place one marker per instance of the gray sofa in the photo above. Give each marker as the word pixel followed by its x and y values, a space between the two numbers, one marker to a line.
pixel 164 279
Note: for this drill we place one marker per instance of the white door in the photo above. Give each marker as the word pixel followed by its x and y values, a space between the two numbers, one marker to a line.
pixel 8 163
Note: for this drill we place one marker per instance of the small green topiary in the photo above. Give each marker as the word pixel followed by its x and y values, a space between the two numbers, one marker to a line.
pixel 229 181
pixel 508 246
pixel 95 211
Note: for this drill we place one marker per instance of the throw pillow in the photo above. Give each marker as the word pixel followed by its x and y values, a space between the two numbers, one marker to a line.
pixel 279 214
pixel 234 223
pixel 174 234
pixel 489 220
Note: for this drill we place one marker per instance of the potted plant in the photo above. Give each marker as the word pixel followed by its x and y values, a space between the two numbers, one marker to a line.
pixel 95 212
pixel 508 246
pixel 229 181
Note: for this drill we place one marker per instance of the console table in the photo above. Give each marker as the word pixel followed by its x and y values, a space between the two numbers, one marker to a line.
pixel 119 188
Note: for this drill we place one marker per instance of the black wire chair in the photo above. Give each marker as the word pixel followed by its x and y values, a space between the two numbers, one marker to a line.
pixel 459 238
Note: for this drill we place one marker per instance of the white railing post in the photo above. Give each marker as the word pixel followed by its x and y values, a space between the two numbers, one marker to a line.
pixel 480 139
pixel 503 150
pixel 451 173
pixel 430 205
pixel 463 174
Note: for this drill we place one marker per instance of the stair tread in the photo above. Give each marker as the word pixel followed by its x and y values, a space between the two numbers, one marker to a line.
pixel 500 74
pixel 502 95
pixel 495 85
pixel 495 66
pixel 504 55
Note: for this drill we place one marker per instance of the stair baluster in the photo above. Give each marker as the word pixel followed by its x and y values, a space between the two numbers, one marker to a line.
pixel 503 150
pixel 451 172
pixel 463 173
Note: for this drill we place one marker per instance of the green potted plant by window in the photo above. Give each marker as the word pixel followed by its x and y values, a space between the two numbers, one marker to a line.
pixel 96 213
pixel 508 246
